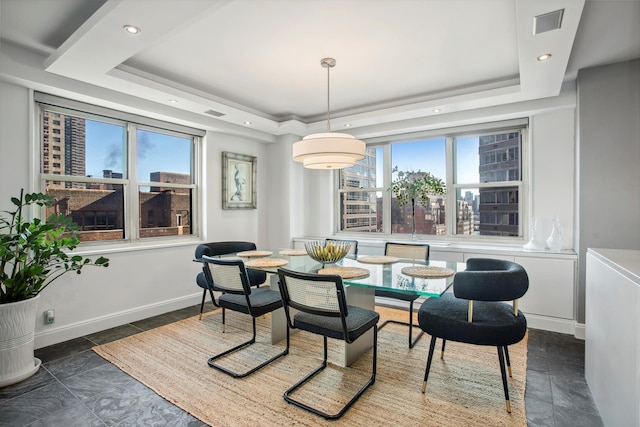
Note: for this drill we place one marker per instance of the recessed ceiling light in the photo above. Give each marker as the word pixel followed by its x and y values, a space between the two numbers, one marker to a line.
pixel 347 125
pixel 131 29
pixel 436 110
pixel 248 123
pixel 173 101
pixel 544 57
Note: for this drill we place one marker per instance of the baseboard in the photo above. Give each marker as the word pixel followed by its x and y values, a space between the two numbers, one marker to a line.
pixel 90 326
pixel 553 324
pixel 581 331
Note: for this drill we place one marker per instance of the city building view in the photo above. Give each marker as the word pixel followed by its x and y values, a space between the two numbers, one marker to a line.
pixel 97 208
pixel 487 211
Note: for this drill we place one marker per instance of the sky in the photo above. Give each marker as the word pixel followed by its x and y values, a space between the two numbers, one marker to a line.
pixel 430 156
pixel 156 152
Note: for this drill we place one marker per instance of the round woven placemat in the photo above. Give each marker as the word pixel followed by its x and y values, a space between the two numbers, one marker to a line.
pixel 249 254
pixel 427 271
pixel 293 252
pixel 378 259
pixel 266 262
pixel 346 272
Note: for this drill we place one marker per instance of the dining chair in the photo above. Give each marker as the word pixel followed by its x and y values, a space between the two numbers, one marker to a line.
pixel 213 249
pixel 230 277
pixel 322 309
pixel 354 245
pixel 416 251
pixel 475 312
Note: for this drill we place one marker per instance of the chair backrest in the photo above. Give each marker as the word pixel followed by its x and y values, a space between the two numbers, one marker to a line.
pixel 229 276
pixel 312 293
pixel 407 250
pixel 491 280
pixel 488 279
pixel 223 248
pixel 354 245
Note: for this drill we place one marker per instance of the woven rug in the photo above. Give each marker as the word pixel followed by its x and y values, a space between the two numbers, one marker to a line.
pixel 464 389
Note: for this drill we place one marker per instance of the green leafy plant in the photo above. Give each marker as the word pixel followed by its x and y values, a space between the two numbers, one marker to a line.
pixel 410 187
pixel 34 253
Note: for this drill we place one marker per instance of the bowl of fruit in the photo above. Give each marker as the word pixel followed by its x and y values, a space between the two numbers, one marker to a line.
pixel 327 252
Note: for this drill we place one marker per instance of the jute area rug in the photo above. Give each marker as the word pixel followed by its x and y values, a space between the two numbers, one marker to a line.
pixel 464 389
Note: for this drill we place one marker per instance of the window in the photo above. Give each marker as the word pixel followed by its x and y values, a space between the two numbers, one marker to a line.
pixel 481 167
pixel 119 177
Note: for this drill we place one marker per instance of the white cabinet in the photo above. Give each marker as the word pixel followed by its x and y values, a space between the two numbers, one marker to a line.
pixel 551 287
pixel 612 347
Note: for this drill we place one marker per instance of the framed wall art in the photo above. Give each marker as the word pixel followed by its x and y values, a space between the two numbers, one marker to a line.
pixel 239 176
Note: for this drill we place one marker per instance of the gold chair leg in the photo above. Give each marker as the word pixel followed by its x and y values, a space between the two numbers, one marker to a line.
pixel 200 316
pixel 508 406
pixel 424 386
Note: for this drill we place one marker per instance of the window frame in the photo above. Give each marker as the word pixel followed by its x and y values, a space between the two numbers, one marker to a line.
pixel 520 125
pixel 130 184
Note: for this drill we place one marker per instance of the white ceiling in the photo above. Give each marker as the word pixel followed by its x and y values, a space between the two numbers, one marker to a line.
pixel 259 60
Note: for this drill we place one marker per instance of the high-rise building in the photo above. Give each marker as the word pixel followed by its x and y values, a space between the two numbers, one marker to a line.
pixel 499 206
pixel 359 208
pixel 63 147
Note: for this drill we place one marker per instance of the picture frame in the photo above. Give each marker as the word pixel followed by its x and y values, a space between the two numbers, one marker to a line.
pixel 239 179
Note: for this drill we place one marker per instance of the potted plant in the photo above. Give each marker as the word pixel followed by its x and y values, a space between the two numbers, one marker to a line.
pixel 411 187
pixel 33 254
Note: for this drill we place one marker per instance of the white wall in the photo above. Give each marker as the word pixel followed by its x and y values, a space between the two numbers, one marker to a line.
pixel 231 224
pixel 553 172
pixel 609 159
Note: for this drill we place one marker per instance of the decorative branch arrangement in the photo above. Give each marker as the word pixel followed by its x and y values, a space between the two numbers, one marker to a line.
pixel 411 187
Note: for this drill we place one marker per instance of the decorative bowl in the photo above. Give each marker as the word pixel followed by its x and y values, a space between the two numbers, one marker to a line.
pixel 329 252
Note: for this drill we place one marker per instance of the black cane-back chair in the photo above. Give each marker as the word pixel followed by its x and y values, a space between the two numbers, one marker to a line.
pixel 230 278
pixel 216 249
pixel 476 312
pixel 322 309
pixel 418 251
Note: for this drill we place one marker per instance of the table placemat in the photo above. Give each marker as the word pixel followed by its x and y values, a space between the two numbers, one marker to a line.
pixel 249 254
pixel 378 259
pixel 346 272
pixel 429 271
pixel 293 252
pixel 266 262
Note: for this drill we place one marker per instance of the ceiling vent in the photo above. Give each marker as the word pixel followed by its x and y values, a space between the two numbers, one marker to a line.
pixel 547 22
pixel 214 113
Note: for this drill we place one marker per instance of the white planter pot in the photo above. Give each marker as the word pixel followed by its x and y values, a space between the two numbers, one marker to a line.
pixel 17 328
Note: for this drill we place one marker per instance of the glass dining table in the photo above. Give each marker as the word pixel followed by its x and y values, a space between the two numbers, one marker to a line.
pixel 377 272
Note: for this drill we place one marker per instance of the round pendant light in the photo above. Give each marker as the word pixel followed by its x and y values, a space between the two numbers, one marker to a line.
pixel 329 150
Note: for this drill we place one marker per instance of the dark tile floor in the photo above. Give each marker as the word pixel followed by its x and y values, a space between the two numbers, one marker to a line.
pixel 76 387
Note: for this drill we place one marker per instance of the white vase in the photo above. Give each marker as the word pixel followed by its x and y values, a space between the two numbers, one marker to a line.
pixel 554 242
pixel 17 329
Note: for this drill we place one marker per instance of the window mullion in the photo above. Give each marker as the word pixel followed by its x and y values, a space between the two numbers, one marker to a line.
pixel 132 192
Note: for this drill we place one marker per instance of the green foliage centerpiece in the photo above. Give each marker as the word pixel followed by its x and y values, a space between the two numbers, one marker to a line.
pixel 412 187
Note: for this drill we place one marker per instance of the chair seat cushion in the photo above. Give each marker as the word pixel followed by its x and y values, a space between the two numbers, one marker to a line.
pixel 359 320
pixel 397 295
pixel 493 322
pixel 263 301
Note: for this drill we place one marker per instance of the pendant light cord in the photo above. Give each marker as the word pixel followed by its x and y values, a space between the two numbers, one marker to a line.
pixel 328 109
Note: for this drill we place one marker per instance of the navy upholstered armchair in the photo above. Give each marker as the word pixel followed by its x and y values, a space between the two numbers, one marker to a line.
pixel 476 312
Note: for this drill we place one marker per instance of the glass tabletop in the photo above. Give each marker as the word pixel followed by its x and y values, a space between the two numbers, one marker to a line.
pixel 381 276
